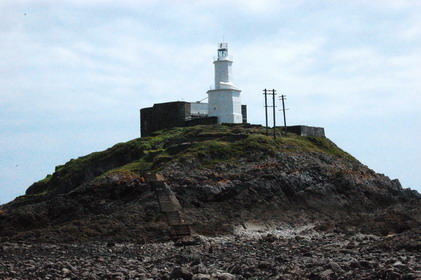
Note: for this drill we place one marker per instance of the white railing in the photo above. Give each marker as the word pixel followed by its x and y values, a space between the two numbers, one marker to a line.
pixel 228 57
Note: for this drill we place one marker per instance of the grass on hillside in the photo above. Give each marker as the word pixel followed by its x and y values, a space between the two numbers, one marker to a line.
pixel 151 153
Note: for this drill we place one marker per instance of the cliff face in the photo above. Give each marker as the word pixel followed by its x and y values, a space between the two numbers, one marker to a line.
pixel 223 177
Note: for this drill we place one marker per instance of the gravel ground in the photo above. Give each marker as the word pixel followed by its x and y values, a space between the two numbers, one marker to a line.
pixel 253 252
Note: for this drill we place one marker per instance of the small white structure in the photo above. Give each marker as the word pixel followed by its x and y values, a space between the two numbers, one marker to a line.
pixel 199 109
pixel 224 101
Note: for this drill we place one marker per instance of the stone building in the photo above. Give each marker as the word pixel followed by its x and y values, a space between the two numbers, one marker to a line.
pixel 173 114
pixel 177 114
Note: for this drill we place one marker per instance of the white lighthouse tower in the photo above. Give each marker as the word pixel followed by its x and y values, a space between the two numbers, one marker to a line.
pixel 224 101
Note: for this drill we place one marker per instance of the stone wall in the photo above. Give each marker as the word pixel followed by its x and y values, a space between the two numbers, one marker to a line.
pixel 303 130
pixel 202 121
pixel 163 116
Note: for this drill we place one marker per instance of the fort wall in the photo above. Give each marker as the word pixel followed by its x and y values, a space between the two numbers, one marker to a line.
pixel 304 130
pixel 163 116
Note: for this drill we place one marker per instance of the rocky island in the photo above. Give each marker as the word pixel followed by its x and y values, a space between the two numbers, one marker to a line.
pixel 213 202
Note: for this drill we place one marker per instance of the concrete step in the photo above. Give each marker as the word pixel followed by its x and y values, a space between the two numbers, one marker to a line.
pixel 158 186
pixel 173 217
pixel 166 192
pixel 181 230
pixel 168 204
pixel 166 198
pixel 165 207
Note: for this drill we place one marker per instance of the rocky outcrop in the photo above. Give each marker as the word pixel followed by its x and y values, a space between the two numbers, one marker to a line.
pixel 118 207
pixel 257 208
pixel 78 171
pixel 230 177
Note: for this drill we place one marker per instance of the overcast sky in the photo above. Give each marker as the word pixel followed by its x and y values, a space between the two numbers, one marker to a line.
pixel 74 74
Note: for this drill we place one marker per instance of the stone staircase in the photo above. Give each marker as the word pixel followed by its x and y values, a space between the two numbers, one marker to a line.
pixel 170 206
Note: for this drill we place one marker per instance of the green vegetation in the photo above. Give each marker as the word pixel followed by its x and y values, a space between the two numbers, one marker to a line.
pixel 46 180
pixel 295 143
pixel 133 168
pixel 208 144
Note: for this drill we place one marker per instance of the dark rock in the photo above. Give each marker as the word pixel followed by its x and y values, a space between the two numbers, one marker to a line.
pixel 199 269
pixel 201 277
pixel 336 267
pixel 188 241
pixel 181 272
pixel 223 276
pixel 326 274
pixel 269 238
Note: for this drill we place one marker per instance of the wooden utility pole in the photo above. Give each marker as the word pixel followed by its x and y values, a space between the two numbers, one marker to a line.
pixel 272 92
pixel 274 122
pixel 283 97
pixel 266 110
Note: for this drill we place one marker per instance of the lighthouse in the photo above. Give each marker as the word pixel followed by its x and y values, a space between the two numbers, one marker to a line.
pixel 224 100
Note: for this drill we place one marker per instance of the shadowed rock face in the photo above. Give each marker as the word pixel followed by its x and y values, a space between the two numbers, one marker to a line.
pixel 224 177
